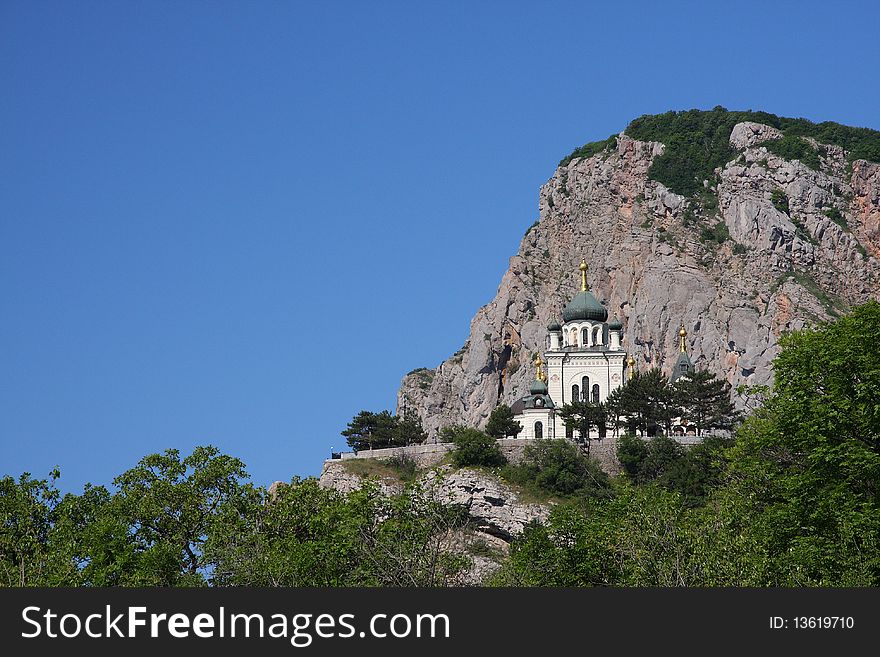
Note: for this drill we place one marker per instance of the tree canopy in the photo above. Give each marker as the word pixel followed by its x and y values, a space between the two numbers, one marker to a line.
pixel 501 423
pixel 368 430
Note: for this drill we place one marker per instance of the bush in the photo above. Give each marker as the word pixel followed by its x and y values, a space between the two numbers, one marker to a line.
pixel 589 150
pixel 697 142
pixel 779 200
pixel 472 447
pixel 405 466
pixel 631 451
pixel 794 148
pixel 718 233
pixel 558 467
pixel 837 217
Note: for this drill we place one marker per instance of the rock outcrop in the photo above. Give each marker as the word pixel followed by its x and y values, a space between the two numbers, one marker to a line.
pixel 783 268
pixel 496 511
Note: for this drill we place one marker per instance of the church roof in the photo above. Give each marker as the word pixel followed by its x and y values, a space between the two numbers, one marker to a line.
pixel 684 365
pixel 554 325
pixel 615 324
pixel 530 401
pixel 584 306
pixel 538 388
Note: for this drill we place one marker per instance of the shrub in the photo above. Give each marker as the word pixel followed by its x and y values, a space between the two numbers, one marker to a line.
pixel 558 467
pixel 837 217
pixel 405 466
pixel 590 149
pixel 697 142
pixel 717 233
pixel 794 148
pixel 472 447
pixel 779 200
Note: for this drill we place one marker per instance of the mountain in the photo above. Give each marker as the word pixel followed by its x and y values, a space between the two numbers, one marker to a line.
pixel 739 225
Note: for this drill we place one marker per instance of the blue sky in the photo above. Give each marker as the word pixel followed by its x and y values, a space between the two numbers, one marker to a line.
pixel 240 223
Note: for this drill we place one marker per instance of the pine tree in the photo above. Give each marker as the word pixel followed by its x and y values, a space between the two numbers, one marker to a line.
pixel 369 430
pixel 645 404
pixel 501 423
pixel 583 417
pixel 408 430
pixel 705 401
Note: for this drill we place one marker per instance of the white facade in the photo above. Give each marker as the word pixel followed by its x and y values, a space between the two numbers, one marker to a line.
pixel 585 362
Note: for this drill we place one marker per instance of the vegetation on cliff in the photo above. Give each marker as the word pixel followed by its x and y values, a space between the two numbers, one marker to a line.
pixel 792 500
pixel 697 142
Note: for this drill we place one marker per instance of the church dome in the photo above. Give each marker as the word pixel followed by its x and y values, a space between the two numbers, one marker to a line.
pixel 584 306
pixel 554 325
pixel 615 324
pixel 538 388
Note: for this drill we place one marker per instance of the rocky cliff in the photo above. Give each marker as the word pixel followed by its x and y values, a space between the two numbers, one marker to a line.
pixel 769 245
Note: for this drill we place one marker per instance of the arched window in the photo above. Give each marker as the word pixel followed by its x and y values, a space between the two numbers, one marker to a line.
pixel 585 336
pixel 595 393
pixel 585 388
pixel 597 335
pixel 574 337
pixel 539 430
pixel 575 393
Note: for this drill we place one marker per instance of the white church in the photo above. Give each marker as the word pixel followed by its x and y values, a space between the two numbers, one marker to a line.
pixel 585 362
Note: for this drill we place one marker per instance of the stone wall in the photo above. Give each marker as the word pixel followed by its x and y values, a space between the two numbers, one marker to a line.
pixel 431 454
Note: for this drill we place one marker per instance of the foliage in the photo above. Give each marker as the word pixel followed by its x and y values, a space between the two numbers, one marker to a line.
pixel 790 147
pixel 559 468
pixel 501 423
pixel 473 448
pixel 305 535
pixel 779 200
pixel 590 149
pixel 837 217
pixel 27 513
pixel 705 401
pixel 584 416
pixel 693 472
pixel 697 142
pixel 646 404
pixel 641 536
pixel 719 233
pixel 809 459
pixel 369 430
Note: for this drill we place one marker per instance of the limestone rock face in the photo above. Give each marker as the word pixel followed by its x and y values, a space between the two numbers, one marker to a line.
pixel 781 270
pixel 494 506
pixel 748 133
pixel 334 475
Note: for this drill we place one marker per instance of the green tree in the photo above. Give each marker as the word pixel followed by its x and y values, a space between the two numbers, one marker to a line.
pixel 645 404
pixel 472 447
pixel 27 513
pixel 809 459
pixel 300 534
pixel 408 430
pixel 705 401
pixel 583 417
pixel 631 452
pixel 169 504
pixel 368 430
pixel 501 423
pixel 558 467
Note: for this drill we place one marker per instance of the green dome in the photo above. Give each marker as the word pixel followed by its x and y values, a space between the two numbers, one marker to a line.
pixel 615 324
pixel 584 306
pixel 538 388
pixel 554 325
